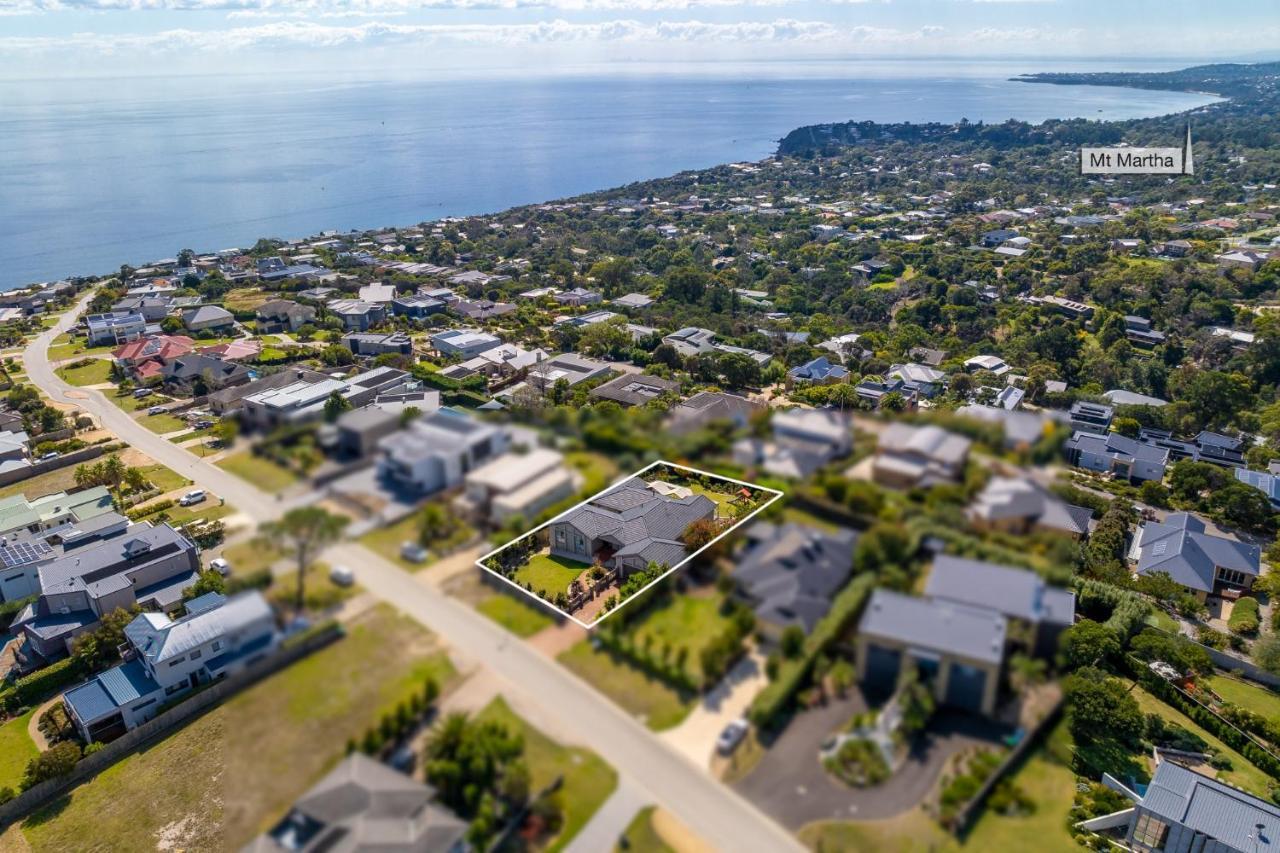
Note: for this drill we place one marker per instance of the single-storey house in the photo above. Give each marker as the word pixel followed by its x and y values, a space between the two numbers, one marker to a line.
pixel 1114 454
pixel 635 389
pixel 1206 565
pixel 790 573
pixel 209 317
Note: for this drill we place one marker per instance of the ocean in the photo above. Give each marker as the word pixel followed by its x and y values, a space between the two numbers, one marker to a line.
pixel 96 173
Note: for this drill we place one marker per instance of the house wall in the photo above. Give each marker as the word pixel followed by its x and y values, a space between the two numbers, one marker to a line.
pixel 568 541
pixel 990 687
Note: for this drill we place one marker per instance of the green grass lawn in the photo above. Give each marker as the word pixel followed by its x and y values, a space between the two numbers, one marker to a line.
pixel 683 621
pixel 57 480
pixel 799 516
pixel 318 595
pixel 232 772
pixel 94 373
pixel 16 749
pixel 251 556
pixel 1049 784
pixel 163 423
pixel 64 348
pixel 259 470
pixel 130 403
pixel 1162 620
pixel 164 479
pixel 386 541
pixel 517 617
pixel 655 702
pixel 1242 774
pixel 641 835
pixel 549 575
pixel 209 510
pixel 597 469
pixel 588 780
pixel 1246 694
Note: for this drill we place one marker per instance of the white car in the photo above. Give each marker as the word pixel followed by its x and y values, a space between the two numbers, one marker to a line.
pixel 413 552
pixel 157 410
pixel 342 576
pixel 192 497
pixel 732 736
pixel 220 565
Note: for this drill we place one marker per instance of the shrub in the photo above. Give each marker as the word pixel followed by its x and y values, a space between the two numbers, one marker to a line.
pixel 1245 617
pixel 858 763
pixel 58 760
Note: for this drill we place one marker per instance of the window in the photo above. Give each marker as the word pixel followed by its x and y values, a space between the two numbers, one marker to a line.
pixel 142 705
pixel 196 654
pixel 1149 832
pixel 174 688
pixel 217 644
pixel 177 661
pixel 1231 576
pixel 560 535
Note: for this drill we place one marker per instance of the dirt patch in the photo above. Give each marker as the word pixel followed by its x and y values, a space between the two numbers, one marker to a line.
pixel 676 834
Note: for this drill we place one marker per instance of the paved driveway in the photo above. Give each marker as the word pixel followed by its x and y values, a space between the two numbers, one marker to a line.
pixel 696 736
pixel 791 785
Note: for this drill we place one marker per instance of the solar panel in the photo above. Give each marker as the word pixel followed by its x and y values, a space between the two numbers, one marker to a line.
pixel 22 553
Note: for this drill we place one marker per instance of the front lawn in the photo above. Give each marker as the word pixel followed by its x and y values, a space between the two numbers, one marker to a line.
pixel 232 772
pixel 641 835
pixel 588 780
pixel 163 478
pixel 386 541
pixel 549 575
pixel 319 593
pixel 94 373
pixel 16 749
pixel 651 700
pixel 251 556
pixel 163 423
pixel 258 470
pixel 682 621
pixel 517 617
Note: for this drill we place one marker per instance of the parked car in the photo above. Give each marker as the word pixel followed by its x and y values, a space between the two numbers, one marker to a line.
pixel 157 410
pixel 52 454
pixel 192 497
pixel 220 565
pixel 732 736
pixel 202 424
pixel 413 552
pixel 142 392
pixel 342 576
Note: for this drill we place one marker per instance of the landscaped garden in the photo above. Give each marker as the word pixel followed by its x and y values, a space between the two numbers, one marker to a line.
pixel 232 772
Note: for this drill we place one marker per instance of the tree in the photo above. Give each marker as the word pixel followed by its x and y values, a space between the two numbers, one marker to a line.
pixel 792 641
pixel 1242 505
pixel 225 431
pixel 1126 426
pixel 1087 643
pixel 1100 707
pixel 699 533
pixel 305 531
pixel 466 759
pixel 101 646
pixel 335 406
pixel 58 760
pixel 208 581
pixel 1266 653
pixel 435 523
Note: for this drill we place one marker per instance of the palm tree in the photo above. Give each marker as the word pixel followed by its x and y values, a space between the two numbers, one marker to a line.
pixel 305 531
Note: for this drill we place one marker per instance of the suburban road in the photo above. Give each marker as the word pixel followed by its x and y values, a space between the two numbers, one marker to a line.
pixel 713 811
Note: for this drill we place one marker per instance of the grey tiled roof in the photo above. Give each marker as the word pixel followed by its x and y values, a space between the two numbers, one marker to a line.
pixel 792 572
pixel 1181 547
pixel 1019 593
pixel 935 625
pixel 631 512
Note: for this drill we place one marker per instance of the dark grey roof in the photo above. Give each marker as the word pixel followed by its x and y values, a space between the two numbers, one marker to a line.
pixel 631 513
pixel 109 690
pixel 792 572
pixel 197 364
pixel 101 567
pixel 363 805
pixel 935 625
pixel 1228 815
pixel 1115 445
pixel 1018 593
pixel 634 390
pixel 1181 547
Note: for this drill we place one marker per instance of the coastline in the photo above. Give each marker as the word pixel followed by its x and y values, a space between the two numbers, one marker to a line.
pixel 215 243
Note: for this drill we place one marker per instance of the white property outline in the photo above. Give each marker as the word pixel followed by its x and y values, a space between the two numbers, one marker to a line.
pixel 738 523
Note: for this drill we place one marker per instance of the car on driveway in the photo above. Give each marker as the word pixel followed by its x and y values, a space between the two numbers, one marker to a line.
pixel 157 410
pixel 413 552
pixel 192 497
pixel 45 457
pixel 732 736
pixel 342 576
pixel 220 565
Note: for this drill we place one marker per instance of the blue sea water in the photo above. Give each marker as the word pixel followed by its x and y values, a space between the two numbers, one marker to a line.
pixel 96 173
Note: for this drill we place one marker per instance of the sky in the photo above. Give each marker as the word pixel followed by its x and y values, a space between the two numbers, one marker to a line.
pixel 56 38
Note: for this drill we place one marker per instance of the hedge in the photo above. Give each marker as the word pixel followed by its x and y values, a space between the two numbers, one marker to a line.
pixel 648 663
pixel 41 683
pixel 144 511
pixel 792 674
pixel 1128 611
pixel 1245 617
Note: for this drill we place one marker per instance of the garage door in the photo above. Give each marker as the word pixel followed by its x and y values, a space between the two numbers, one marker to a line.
pixel 882 668
pixel 965 687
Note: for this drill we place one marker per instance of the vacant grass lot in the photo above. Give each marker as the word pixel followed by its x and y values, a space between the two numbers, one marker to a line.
pixel 65 347
pixel 259 470
pixel 649 699
pixel 319 592
pixel 387 541
pixel 548 575
pixel 588 780
pixel 251 556
pixel 58 480
pixel 234 771
pixel 16 749
pixel 243 299
pixel 94 373
pixel 683 621
pixel 517 617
